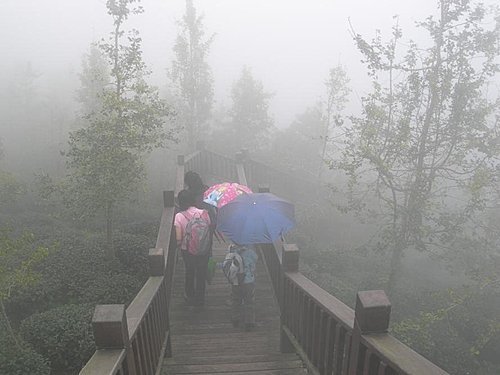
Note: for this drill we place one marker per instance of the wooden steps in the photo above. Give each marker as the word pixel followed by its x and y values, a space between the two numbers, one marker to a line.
pixel 205 342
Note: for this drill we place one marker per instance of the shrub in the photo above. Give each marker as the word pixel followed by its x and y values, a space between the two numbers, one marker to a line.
pixel 79 272
pixel 132 251
pixel 63 335
pixel 19 359
pixel 108 288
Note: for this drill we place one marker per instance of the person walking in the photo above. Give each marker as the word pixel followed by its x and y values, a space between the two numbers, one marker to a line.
pixel 195 185
pixel 239 268
pixel 192 232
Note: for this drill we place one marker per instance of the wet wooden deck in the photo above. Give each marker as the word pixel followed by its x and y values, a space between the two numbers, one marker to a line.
pixel 205 342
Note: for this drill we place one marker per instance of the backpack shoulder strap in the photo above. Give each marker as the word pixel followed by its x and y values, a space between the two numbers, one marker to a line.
pixel 182 213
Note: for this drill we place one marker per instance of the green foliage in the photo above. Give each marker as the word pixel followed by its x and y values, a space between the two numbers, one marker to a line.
pixel 94 78
pixel 77 273
pixel 425 147
pixel 105 157
pixel 332 268
pixel 17 358
pixel 10 188
pixel 307 145
pixel 337 93
pixel 461 334
pixel 132 252
pixel 18 257
pixel 63 335
pixel 80 272
pixel 303 137
pixel 192 77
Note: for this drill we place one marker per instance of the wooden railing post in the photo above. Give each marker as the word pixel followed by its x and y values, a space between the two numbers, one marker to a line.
pixel 290 263
pixel 179 181
pixel 240 169
pixel 290 258
pixel 371 315
pixel 168 198
pixel 244 153
pixel 156 256
pixel 109 325
pixel 180 159
pixel 264 188
pixel 238 157
pixel 156 260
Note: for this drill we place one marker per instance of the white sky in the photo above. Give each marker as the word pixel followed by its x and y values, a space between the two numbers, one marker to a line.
pixel 289 44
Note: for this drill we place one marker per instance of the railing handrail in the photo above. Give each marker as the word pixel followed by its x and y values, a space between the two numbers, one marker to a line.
pixel 333 306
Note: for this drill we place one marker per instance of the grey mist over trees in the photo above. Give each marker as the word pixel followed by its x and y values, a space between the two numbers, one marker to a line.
pixel 388 111
pixel 428 134
pixel 105 158
pixel 191 77
pixel 247 124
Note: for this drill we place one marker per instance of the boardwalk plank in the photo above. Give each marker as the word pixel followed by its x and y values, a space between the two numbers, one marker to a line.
pixel 234 367
pixel 235 358
pixel 205 342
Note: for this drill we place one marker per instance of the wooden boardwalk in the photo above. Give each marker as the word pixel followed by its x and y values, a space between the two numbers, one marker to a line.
pixel 205 342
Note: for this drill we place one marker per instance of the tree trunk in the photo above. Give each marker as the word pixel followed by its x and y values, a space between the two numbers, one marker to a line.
pixel 395 267
pixel 109 230
pixel 191 127
pixel 400 245
pixel 8 325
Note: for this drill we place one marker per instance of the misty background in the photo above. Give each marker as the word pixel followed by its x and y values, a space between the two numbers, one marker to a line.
pixel 291 47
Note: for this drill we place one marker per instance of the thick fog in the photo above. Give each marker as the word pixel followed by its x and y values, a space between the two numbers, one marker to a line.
pixel 289 45
pixel 392 163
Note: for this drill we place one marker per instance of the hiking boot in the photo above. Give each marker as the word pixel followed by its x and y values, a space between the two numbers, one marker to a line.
pixel 249 327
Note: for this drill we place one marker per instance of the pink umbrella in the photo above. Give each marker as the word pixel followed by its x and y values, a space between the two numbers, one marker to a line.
pixel 221 194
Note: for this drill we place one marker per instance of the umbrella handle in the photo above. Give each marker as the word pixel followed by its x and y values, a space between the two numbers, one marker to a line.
pixel 219 237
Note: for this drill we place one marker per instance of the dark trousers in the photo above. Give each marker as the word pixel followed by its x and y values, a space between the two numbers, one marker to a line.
pixel 243 303
pixel 196 276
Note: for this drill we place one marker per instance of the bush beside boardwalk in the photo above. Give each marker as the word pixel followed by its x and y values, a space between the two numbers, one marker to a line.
pixel 53 317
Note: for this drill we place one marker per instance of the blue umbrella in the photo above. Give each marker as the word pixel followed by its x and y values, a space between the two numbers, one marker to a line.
pixel 256 218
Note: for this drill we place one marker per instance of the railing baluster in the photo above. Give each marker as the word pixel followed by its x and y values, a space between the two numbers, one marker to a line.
pixel 142 351
pixel 337 349
pixel 329 344
pixel 310 327
pixel 152 347
pixel 321 341
pixel 382 367
pixel 137 356
pixel 366 362
pixel 345 353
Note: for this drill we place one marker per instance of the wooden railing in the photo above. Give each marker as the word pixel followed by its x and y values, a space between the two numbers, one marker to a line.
pixel 330 337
